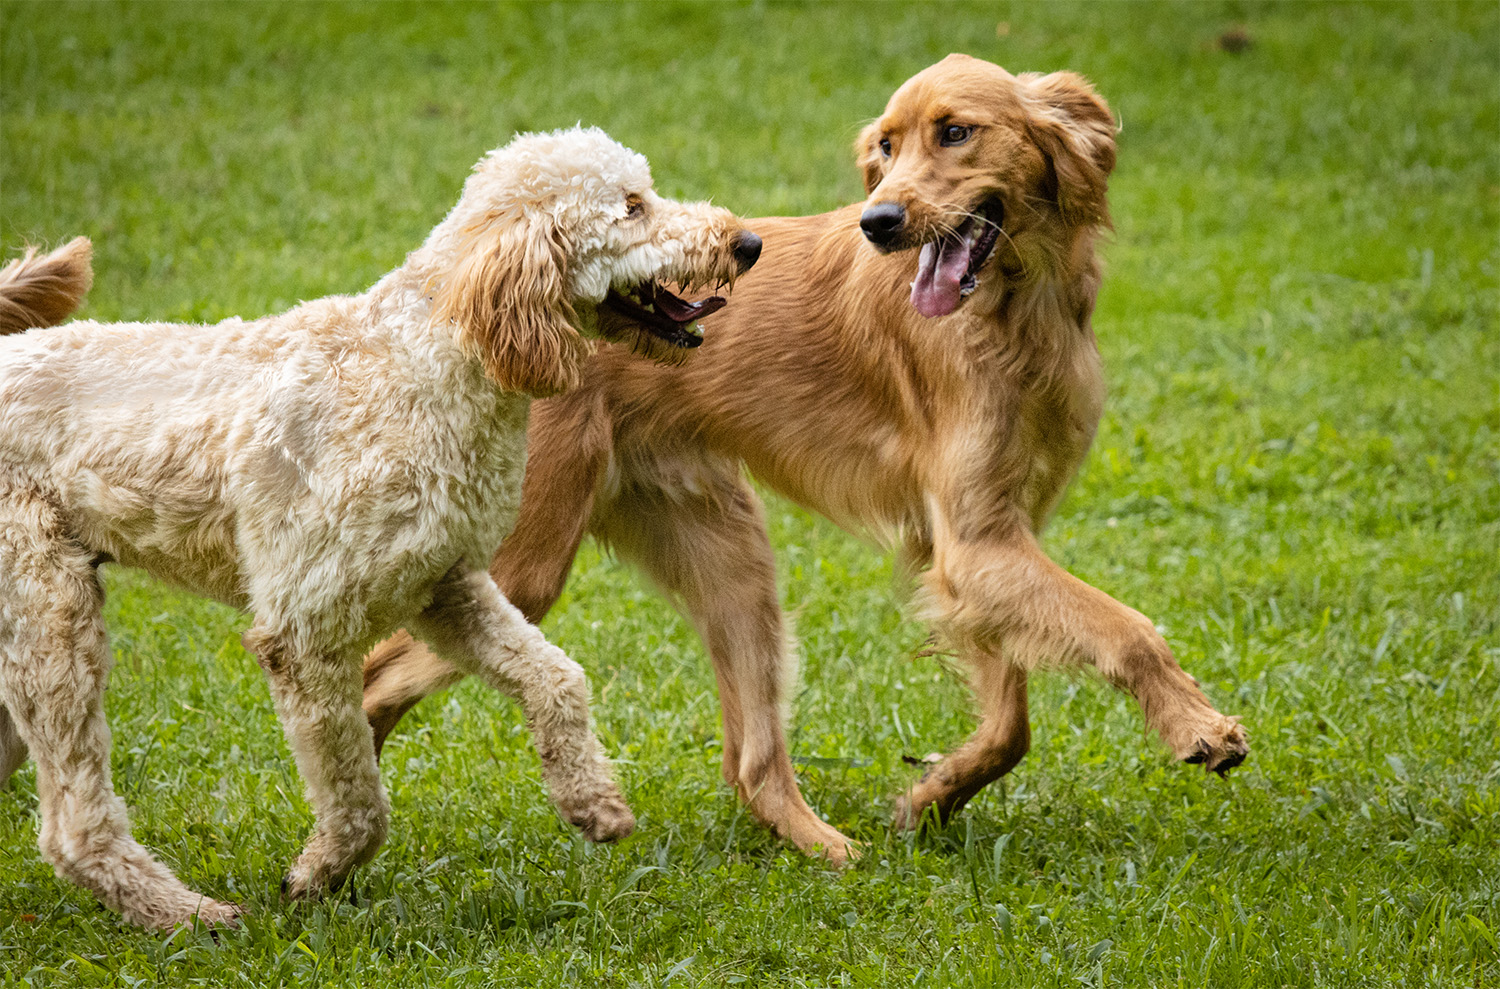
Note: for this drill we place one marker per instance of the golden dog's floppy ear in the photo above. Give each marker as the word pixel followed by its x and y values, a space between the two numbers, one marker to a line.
pixel 868 156
pixel 1076 131
pixel 508 296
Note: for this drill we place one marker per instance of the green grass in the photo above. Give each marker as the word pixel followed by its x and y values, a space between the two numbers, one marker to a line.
pixel 1298 476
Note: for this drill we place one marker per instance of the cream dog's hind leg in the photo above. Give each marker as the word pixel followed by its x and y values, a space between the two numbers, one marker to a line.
pixel 471 624
pixel 54 663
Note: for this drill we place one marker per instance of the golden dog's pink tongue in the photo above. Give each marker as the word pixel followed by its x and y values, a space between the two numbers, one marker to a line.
pixel 939 271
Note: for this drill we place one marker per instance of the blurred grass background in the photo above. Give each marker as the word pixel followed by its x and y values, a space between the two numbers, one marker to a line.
pixel 1298 476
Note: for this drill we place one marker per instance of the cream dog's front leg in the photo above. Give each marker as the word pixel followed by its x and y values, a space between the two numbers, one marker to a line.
pixel 317 697
pixel 471 624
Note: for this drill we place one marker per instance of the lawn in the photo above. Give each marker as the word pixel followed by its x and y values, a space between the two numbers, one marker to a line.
pixel 1297 476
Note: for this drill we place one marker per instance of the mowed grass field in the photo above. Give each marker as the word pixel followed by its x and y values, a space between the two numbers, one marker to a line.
pixel 1297 476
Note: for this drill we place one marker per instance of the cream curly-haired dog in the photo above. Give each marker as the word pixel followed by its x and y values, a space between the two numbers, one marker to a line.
pixel 341 470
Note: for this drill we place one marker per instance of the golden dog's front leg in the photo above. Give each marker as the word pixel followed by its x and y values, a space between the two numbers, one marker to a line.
pixel 1009 608
pixel 471 624
pixel 709 552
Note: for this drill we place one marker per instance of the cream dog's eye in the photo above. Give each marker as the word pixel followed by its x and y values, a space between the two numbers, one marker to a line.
pixel 635 207
pixel 885 146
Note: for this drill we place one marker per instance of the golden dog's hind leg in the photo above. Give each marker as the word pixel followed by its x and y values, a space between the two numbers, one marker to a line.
pixel 54 664
pixel 398 673
pixel 708 551
pixel 471 624
pixel 317 699
pixel 1000 594
pixel 1001 741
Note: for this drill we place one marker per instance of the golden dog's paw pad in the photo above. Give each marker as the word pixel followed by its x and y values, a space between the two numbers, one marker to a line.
pixel 1222 754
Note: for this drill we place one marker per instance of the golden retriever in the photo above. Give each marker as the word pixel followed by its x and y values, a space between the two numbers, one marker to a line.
pixel 920 368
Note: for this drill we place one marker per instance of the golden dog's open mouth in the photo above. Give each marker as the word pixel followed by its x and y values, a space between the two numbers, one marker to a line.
pixel 662 314
pixel 948 268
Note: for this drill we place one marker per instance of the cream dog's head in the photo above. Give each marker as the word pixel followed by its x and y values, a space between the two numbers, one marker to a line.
pixel 560 236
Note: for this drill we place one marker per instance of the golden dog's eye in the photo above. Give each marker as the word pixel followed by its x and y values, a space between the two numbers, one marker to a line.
pixel 885 146
pixel 955 134
pixel 635 206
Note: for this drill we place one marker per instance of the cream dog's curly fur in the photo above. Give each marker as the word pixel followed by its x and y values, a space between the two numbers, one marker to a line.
pixel 340 470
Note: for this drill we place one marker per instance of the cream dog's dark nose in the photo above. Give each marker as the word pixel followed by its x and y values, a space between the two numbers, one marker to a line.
pixel 747 251
pixel 882 222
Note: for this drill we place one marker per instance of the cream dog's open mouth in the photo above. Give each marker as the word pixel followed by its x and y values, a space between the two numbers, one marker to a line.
pixel 664 315
pixel 948 268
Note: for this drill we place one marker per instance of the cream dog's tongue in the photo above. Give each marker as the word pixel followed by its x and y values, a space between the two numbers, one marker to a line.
pixel 940 269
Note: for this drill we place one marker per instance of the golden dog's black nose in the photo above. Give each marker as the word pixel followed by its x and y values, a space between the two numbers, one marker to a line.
pixel 882 222
pixel 747 251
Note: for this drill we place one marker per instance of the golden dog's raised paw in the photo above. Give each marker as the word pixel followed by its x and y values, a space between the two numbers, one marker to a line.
pixel 1222 754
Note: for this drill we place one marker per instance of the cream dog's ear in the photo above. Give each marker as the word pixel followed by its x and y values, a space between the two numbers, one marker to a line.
pixel 508 296
pixel 1075 130
pixel 867 154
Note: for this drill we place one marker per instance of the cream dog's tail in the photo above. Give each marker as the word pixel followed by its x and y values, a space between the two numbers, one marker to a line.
pixel 43 291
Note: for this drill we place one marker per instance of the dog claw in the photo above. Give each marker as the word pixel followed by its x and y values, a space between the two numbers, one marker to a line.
pixel 1221 756
pixel 1230 762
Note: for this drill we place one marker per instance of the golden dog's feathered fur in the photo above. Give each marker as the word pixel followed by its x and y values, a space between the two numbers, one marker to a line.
pixel 340 470
pixel 950 438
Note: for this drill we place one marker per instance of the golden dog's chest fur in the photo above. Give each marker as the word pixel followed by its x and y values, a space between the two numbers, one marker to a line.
pixel 859 410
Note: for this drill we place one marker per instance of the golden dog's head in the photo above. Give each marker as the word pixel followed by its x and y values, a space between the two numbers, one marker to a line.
pixel 559 237
pixel 968 162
